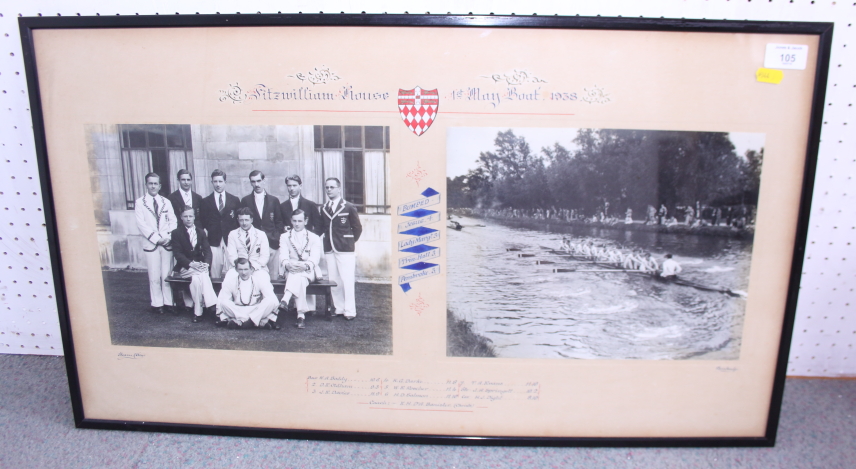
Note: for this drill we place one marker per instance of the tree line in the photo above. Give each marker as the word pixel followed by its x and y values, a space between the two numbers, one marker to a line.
pixel 612 170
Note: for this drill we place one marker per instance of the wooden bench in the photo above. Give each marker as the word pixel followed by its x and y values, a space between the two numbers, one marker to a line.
pixel 318 288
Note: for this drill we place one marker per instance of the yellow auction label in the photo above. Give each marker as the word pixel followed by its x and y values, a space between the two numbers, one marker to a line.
pixel 768 75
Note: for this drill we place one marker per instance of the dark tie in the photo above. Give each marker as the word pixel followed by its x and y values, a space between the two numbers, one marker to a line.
pixel 247 242
pixel 220 197
pixel 157 214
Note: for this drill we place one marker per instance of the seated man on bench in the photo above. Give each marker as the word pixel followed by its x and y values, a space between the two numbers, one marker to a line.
pixel 247 299
pixel 192 258
pixel 299 252
pixel 248 242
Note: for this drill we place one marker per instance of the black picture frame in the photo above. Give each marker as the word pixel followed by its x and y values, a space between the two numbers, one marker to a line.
pixel 29 25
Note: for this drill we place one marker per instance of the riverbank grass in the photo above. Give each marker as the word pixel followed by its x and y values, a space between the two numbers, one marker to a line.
pixel 462 341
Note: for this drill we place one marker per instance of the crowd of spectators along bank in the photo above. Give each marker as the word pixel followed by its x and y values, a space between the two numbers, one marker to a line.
pixel 737 216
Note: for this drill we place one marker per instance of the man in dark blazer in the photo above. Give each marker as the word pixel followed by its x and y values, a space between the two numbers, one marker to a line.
pixel 192 260
pixel 342 230
pixel 296 201
pixel 184 196
pixel 219 216
pixel 266 217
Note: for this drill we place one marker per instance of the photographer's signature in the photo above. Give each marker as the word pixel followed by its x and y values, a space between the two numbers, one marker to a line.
pixel 726 369
pixel 131 356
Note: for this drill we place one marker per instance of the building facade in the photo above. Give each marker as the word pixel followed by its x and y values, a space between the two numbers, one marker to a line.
pixel 121 155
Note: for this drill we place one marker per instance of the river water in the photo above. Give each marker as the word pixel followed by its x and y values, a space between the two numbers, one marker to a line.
pixel 528 311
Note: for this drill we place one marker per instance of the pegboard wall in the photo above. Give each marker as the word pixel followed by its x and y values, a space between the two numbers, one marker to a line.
pixel 824 341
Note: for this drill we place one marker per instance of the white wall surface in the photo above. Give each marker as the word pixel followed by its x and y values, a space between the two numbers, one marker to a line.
pixel 825 331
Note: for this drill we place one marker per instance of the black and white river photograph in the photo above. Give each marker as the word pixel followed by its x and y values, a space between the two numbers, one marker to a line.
pixel 599 243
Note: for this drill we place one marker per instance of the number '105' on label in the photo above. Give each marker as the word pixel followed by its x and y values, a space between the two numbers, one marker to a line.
pixel 789 56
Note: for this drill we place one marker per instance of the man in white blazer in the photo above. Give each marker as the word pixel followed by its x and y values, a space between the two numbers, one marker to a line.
pixel 156 221
pixel 248 242
pixel 299 253
pixel 246 298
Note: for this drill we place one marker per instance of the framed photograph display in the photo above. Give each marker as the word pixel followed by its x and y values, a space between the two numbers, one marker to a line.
pixel 428 228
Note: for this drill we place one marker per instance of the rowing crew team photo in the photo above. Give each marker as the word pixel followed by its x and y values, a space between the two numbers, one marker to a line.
pixel 247 245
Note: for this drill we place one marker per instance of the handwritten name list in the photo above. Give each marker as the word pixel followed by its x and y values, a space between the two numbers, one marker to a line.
pixel 450 395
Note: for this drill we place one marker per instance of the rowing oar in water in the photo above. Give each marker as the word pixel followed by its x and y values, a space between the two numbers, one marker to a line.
pixel 585 259
pixel 562 271
pixel 705 287
pixel 526 255
pixel 569 261
pixel 513 249
pixel 563 253
pixel 684 283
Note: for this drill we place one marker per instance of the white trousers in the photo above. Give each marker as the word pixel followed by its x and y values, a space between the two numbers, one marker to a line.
pixel 273 264
pixel 295 284
pixel 159 265
pixel 341 267
pixel 218 265
pixel 259 313
pixel 201 290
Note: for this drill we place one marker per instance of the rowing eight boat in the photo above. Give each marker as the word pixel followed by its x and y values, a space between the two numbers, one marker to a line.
pixel 607 268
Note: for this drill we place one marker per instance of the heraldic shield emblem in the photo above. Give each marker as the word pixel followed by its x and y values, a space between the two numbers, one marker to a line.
pixel 418 108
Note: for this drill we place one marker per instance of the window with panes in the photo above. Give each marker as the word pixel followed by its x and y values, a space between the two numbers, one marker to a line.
pixel 153 148
pixel 358 157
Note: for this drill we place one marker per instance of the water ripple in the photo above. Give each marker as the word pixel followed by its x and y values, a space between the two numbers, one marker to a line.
pixel 530 312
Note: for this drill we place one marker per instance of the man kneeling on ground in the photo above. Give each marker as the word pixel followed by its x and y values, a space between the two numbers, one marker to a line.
pixel 300 252
pixel 247 299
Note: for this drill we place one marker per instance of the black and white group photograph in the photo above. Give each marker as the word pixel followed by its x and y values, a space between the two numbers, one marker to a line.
pixel 599 243
pixel 269 237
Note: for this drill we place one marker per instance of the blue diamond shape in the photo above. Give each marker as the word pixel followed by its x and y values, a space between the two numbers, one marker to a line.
pixel 419 248
pixel 419 231
pixel 419 213
pixel 419 266
pixel 429 192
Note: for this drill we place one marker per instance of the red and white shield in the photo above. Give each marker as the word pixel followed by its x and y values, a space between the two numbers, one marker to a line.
pixel 418 108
